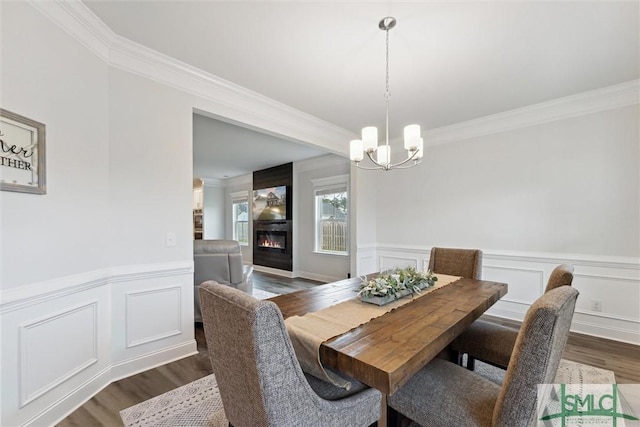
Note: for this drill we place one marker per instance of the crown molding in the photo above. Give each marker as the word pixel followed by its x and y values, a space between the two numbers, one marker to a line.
pixel 226 98
pixel 236 103
pixel 79 22
pixel 229 100
pixel 606 98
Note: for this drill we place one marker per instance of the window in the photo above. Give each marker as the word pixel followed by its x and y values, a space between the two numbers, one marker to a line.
pixel 240 215
pixel 331 201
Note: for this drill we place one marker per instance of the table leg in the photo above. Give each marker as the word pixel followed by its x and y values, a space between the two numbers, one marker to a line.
pixel 383 412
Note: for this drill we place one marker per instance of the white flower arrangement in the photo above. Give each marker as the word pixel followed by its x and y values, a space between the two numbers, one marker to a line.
pixel 397 282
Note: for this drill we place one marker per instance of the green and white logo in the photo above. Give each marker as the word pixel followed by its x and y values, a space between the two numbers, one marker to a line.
pixel 563 405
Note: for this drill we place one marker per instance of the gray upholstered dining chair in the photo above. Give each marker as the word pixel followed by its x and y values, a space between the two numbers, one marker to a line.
pixel 472 400
pixel 456 262
pixel 493 343
pixel 259 377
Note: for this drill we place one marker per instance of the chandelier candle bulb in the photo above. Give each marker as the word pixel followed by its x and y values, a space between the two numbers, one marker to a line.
pixel 370 138
pixel 356 153
pixel 384 156
pixel 411 137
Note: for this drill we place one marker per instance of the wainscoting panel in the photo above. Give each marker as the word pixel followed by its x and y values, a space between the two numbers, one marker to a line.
pixel 610 283
pixel 389 262
pixel 606 291
pixel 525 285
pixel 365 260
pixel 55 348
pixel 65 339
pixel 144 326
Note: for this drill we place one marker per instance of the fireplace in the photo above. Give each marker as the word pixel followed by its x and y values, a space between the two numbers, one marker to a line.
pixel 272 244
pixel 271 240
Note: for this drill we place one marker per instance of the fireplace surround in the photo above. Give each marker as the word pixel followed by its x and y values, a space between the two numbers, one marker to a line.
pixel 273 237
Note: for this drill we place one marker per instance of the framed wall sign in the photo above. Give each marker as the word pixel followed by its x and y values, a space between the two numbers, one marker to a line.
pixel 22 154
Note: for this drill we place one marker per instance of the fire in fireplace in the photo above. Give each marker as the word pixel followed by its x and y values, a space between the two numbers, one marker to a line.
pixel 272 239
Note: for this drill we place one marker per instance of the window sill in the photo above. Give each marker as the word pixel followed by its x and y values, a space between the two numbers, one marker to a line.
pixel 341 254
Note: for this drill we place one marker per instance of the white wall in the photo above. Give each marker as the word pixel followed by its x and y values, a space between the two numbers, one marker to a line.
pixel 363 217
pixel 214 211
pixel 308 263
pixel 562 191
pixel 568 186
pixel 90 291
pixel 50 344
pixel 151 191
pixel 66 89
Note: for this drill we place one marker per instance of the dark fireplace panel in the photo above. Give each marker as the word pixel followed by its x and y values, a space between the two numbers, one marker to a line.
pixel 272 244
pixel 272 240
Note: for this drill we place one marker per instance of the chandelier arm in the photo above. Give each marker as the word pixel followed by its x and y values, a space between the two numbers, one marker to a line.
pixel 408 159
pixel 374 160
pixel 418 161
pixel 367 168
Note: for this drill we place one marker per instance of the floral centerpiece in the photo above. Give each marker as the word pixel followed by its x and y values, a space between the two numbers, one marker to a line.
pixel 394 284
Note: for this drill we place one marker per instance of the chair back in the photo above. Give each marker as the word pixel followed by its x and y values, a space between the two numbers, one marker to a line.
pixel 456 262
pixel 536 356
pixel 562 275
pixel 260 379
pixel 218 260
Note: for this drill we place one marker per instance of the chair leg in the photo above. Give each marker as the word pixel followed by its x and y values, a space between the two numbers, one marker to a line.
pixel 393 418
pixel 455 357
pixel 471 362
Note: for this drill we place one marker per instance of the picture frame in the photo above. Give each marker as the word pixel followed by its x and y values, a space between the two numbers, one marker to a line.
pixel 22 154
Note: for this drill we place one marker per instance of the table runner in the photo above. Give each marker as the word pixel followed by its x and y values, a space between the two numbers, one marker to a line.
pixel 309 331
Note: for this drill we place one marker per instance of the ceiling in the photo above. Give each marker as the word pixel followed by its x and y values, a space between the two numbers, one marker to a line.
pixel 449 61
pixel 223 150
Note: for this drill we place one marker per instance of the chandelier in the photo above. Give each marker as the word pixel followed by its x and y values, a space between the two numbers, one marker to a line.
pixel 413 142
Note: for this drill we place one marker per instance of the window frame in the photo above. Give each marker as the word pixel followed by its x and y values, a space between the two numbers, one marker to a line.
pixel 240 197
pixel 324 186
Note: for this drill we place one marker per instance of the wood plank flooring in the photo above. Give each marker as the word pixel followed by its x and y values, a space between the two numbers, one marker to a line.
pixel 103 409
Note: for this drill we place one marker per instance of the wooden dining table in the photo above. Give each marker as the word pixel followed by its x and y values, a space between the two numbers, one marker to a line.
pixel 386 351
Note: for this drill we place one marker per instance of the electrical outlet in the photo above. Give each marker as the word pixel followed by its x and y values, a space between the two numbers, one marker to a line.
pixel 171 239
pixel 596 305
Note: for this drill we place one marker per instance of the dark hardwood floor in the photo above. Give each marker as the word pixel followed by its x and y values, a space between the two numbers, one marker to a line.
pixel 103 409
pixel 281 285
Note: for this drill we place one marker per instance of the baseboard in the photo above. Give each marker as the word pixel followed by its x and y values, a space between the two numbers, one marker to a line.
pixel 575 337
pixel 274 271
pixel 318 277
pixel 80 395
pixel 153 360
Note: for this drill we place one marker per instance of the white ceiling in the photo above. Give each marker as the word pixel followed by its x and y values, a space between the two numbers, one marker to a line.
pixel 222 150
pixel 450 61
